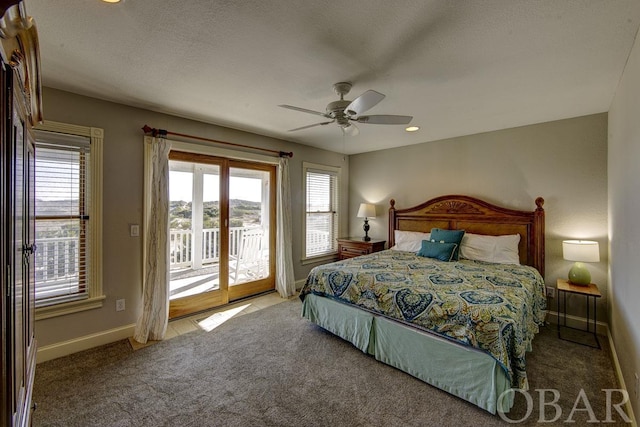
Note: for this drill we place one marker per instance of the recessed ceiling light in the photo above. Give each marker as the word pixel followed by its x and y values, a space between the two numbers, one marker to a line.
pixel 112 1
pixel 412 129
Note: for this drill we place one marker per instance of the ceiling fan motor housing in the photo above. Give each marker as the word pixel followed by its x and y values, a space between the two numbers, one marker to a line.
pixel 335 109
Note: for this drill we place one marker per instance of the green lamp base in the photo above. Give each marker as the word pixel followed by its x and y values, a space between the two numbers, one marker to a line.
pixel 579 275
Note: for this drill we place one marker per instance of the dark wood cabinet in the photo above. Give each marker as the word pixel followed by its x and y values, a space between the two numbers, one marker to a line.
pixel 349 247
pixel 20 109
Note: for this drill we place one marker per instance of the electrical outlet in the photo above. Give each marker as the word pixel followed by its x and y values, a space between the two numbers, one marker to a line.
pixel 119 305
pixel 551 292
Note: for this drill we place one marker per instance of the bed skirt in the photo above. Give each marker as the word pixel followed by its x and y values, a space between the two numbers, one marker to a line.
pixel 462 371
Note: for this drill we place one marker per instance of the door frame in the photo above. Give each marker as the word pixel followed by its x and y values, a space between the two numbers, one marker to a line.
pixel 226 293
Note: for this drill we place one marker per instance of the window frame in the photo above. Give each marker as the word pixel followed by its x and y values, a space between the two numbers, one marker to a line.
pixel 329 170
pixel 95 294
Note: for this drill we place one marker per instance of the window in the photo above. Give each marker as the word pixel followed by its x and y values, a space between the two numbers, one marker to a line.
pixel 68 219
pixel 321 210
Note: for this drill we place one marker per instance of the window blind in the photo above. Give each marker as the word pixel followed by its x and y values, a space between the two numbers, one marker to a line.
pixel 321 213
pixel 62 220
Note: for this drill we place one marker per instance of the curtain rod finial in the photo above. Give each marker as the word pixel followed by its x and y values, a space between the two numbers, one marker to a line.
pixel 286 154
pixel 153 131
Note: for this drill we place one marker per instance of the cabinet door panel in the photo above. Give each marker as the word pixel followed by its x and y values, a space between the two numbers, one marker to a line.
pixel 19 339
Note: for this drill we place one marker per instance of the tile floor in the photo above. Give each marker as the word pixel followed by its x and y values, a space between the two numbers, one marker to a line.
pixel 208 320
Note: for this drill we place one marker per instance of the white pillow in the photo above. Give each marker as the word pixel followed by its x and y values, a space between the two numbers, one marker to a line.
pixel 410 241
pixel 498 249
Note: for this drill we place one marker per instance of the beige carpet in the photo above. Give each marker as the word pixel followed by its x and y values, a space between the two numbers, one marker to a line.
pixel 273 368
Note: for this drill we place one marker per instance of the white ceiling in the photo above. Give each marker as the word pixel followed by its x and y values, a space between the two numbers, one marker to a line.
pixel 459 67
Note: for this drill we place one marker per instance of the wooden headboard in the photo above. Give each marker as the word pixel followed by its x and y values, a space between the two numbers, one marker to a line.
pixel 478 217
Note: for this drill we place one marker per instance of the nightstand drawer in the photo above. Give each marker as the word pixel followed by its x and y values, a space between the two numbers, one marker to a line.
pixel 348 251
pixel 352 247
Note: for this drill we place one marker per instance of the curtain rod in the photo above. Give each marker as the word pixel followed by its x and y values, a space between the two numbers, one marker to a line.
pixel 155 132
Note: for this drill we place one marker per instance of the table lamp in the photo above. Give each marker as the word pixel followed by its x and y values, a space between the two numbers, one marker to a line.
pixel 366 211
pixel 580 251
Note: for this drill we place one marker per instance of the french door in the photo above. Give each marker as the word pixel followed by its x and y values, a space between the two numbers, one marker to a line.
pixel 221 230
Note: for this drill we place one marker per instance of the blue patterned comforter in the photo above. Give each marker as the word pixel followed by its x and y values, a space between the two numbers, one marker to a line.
pixel 497 308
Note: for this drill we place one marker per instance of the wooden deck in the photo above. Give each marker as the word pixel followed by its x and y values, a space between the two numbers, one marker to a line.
pixel 187 281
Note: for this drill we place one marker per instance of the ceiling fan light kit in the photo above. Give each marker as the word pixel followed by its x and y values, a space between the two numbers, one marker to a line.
pixel 346 113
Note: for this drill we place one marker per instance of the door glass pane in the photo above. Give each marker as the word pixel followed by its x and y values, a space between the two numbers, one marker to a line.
pixel 194 224
pixel 248 225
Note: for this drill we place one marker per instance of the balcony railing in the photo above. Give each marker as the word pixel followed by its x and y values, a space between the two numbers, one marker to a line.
pixel 181 248
pixel 56 267
pixel 56 258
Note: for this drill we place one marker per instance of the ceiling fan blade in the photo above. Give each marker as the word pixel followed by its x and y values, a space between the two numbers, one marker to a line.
pixel 385 119
pixel 304 110
pixel 310 126
pixel 350 130
pixel 364 102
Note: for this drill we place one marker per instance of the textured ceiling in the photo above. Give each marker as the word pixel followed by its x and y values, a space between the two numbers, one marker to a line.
pixel 459 67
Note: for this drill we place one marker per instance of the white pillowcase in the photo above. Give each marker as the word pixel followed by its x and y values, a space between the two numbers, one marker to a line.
pixel 410 241
pixel 498 249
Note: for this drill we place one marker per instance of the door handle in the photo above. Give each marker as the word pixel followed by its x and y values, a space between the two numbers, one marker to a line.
pixel 30 249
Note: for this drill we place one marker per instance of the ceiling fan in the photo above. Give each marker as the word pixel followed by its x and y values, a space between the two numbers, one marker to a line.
pixel 347 113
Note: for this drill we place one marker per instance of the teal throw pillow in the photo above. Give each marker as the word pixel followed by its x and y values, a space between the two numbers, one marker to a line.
pixel 437 250
pixel 448 236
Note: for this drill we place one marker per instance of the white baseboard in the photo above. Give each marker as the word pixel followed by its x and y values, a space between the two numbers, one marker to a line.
pixel 616 365
pixel 578 322
pixel 64 348
pixel 300 284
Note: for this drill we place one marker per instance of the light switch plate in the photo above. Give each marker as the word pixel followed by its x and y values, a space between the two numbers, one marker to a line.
pixel 134 230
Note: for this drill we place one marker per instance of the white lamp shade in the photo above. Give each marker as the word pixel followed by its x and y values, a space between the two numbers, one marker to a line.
pixel 581 250
pixel 366 210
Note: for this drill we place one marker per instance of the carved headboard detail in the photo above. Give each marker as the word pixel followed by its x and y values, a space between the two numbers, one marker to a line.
pixel 478 217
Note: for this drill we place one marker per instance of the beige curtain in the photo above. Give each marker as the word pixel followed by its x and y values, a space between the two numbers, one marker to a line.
pixel 285 280
pixel 152 323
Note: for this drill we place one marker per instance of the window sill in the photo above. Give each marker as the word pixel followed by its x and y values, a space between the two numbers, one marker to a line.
pixel 69 307
pixel 320 259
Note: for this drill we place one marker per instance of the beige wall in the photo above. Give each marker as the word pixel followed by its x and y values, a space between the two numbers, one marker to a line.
pixel 564 161
pixel 123 200
pixel 624 229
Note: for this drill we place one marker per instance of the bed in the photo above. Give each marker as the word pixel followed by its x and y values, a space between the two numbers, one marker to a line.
pixel 463 325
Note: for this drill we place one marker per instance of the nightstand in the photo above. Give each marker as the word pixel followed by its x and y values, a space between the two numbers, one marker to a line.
pixel 590 292
pixel 349 247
